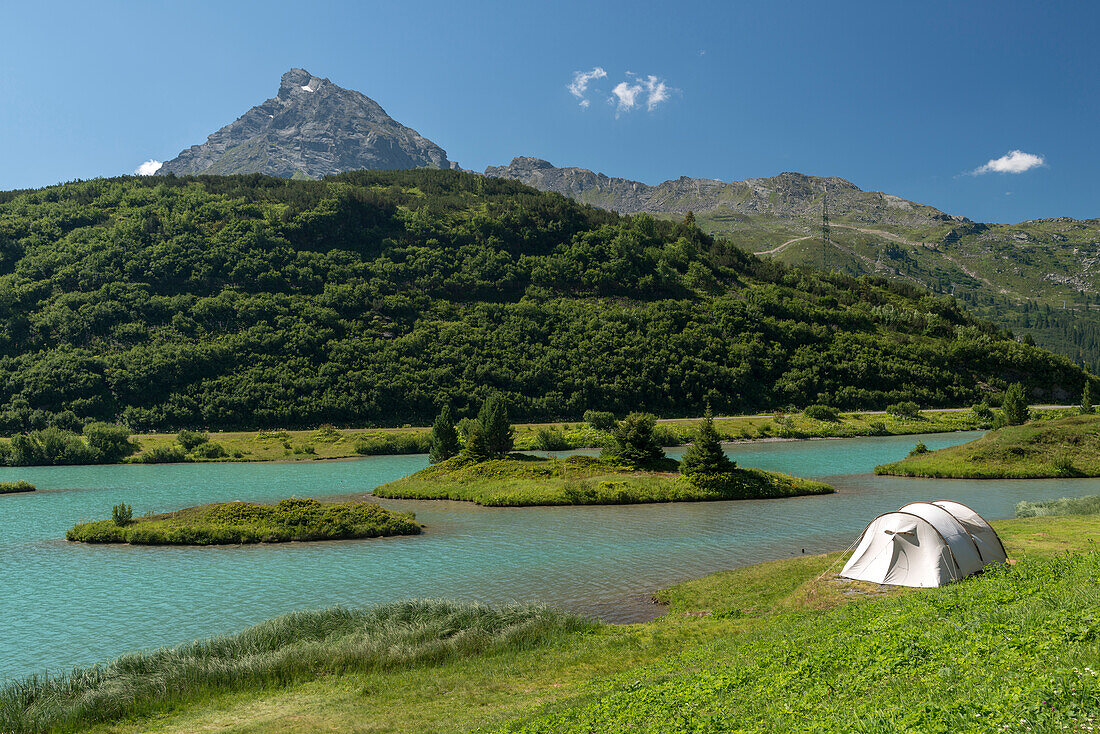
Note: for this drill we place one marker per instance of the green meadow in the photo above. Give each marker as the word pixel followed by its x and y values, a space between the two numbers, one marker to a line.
pixel 1062 447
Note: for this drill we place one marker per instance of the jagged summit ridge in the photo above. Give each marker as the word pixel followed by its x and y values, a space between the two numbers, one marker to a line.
pixel 311 128
pixel 786 195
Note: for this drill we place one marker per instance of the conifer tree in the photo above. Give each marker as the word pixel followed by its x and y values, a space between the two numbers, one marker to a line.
pixel 443 443
pixel 1086 395
pixel 705 455
pixel 491 434
pixel 633 441
pixel 1015 405
pixel 477 443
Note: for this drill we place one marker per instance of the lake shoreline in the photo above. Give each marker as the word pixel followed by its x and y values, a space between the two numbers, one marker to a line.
pixel 706 612
pixel 341 444
pixel 604 561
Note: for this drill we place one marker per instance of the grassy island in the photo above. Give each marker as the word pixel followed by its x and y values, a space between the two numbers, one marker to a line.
pixel 1063 447
pixel 247 522
pixel 522 480
pixel 14 487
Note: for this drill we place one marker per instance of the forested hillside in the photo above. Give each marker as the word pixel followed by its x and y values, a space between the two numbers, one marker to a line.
pixel 1040 277
pixel 375 297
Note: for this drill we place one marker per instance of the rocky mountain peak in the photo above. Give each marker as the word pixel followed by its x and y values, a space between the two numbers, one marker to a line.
pixel 297 81
pixel 529 162
pixel 790 194
pixel 311 128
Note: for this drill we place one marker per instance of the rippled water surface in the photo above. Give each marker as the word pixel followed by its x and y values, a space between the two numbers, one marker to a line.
pixel 63 604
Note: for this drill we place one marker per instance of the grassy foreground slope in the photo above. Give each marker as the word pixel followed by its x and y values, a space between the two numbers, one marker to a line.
pixel 1063 447
pixel 247 522
pixel 374 297
pixel 783 646
pixel 520 480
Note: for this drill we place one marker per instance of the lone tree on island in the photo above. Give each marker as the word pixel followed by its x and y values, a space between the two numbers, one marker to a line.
pixel 633 441
pixel 705 455
pixel 443 443
pixel 1015 405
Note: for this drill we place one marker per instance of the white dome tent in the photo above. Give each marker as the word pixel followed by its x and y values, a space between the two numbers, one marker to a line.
pixel 924 544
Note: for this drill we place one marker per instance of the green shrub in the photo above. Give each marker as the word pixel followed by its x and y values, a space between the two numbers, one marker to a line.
pixel 99 443
pixel 549 439
pixel 210 450
pixel 822 413
pixel 189 440
pixel 108 443
pixel 906 409
pixel 13 487
pixel 170 454
pixel 122 515
pixel 391 444
pixel 666 436
pixel 919 449
pixel 600 420
pixel 982 412
pixel 327 433
pixel 634 442
pixel 877 428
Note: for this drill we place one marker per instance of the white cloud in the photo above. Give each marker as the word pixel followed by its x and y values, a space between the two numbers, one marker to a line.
pixel 1015 161
pixel 629 94
pixel 626 94
pixel 148 168
pixel 579 85
pixel 658 92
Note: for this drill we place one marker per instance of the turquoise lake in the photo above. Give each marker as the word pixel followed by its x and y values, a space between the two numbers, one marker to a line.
pixel 65 604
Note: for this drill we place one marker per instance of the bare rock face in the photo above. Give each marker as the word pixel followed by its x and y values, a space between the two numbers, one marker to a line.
pixel 312 128
pixel 788 195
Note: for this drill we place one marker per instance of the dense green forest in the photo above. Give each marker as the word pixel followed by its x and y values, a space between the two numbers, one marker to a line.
pixel 377 297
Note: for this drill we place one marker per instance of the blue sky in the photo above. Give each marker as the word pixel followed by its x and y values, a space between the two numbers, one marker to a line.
pixel 909 98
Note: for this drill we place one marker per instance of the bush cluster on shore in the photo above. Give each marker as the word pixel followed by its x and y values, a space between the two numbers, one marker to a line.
pixel 97 443
pixel 297 647
pixel 247 522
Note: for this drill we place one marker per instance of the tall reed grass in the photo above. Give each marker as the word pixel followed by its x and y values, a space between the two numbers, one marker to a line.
pixel 1065 506
pixel 281 651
